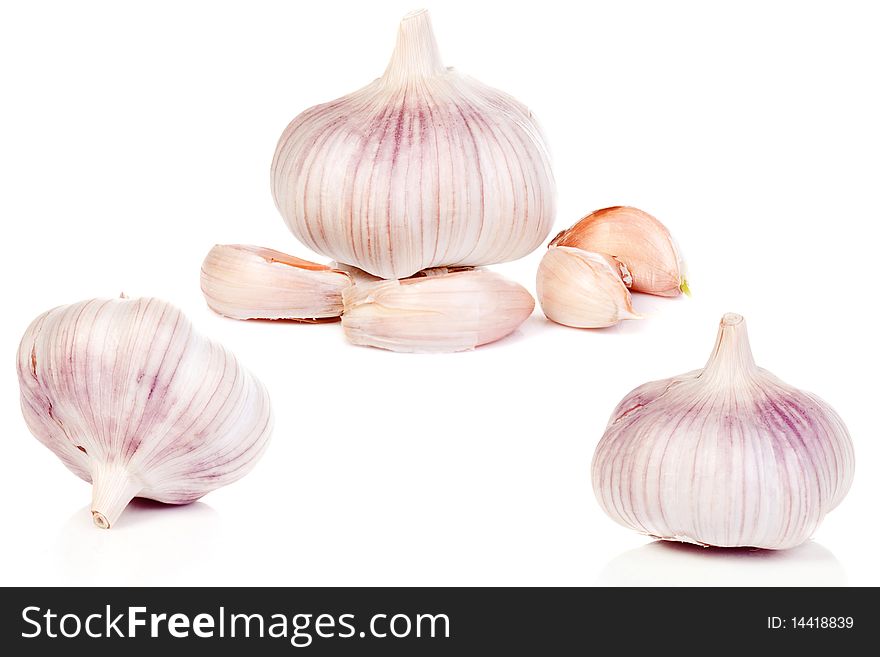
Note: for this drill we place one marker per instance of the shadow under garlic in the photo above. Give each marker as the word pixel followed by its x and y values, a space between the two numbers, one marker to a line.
pixel 151 545
pixel 667 563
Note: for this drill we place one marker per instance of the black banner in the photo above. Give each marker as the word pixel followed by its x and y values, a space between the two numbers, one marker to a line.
pixel 418 621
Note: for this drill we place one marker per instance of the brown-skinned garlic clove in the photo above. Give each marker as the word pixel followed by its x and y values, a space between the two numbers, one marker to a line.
pixel 131 399
pixel 424 167
pixel 438 312
pixel 252 282
pixel 636 239
pixel 583 289
pixel 726 456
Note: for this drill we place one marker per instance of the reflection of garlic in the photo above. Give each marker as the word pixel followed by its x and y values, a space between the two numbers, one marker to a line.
pixel 582 289
pixel 438 312
pixel 422 168
pixel 726 456
pixel 131 399
pixel 252 282
pixel 636 239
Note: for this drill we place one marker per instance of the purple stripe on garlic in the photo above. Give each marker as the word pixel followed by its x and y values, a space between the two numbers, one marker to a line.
pixel 725 456
pixel 131 399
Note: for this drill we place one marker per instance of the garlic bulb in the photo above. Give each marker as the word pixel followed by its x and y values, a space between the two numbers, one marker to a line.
pixel 438 312
pixel 583 289
pixel 131 399
pixel 637 240
pixel 424 167
pixel 726 456
pixel 252 282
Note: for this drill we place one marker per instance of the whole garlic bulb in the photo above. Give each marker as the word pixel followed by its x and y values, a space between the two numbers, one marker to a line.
pixel 131 399
pixel 424 167
pixel 725 456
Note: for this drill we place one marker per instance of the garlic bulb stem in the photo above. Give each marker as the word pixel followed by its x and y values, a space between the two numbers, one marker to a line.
pixel 732 356
pixel 113 487
pixel 416 54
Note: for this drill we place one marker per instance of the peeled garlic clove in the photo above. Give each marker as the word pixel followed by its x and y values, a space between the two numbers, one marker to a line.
pixel 727 456
pixel 440 313
pixel 131 399
pixel 582 289
pixel 424 167
pixel 252 282
pixel 636 239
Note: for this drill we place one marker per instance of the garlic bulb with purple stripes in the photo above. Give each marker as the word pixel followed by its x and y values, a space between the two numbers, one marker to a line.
pixel 424 167
pixel 726 456
pixel 131 399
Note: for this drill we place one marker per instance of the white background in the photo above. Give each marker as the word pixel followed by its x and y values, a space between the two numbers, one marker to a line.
pixel 134 136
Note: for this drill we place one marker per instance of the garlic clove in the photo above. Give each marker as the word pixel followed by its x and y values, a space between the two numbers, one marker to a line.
pixel 424 167
pixel 583 289
pixel 636 239
pixel 727 456
pixel 131 399
pixel 443 312
pixel 252 282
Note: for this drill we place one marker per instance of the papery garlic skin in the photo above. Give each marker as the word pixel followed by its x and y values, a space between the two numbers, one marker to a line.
pixel 358 276
pixel 636 239
pixel 252 282
pixel 621 269
pixel 440 312
pixel 583 289
pixel 726 456
pixel 131 399
pixel 422 168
